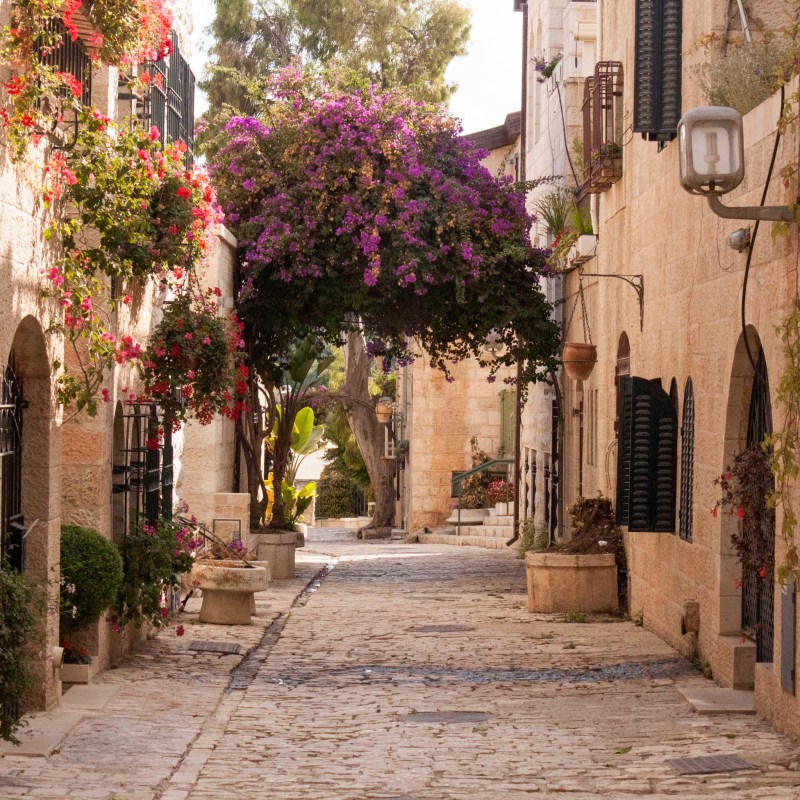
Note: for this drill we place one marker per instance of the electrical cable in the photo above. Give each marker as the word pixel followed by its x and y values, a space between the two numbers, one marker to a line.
pixel 753 242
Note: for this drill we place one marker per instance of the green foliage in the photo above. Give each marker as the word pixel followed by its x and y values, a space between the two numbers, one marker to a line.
pixel 575 616
pixel 744 76
pixel 553 208
pixel 91 574
pixel 391 42
pixel 338 495
pixel 153 559
pixel 746 486
pixel 19 633
pixel 344 458
pixel 296 501
pixel 533 537
pixel 474 488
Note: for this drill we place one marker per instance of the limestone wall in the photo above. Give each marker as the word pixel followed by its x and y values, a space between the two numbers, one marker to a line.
pixel 693 289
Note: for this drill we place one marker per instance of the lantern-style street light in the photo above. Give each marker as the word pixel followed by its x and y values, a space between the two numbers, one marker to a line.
pixel 711 150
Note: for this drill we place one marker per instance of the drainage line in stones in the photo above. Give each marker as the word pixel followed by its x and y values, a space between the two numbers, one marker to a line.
pixel 243 675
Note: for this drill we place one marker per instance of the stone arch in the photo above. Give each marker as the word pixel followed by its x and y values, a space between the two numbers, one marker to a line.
pixel 40 496
pixel 747 361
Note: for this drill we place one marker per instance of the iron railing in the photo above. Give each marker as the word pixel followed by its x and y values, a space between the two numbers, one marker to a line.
pixel 12 524
pixel 353 500
pixel 459 477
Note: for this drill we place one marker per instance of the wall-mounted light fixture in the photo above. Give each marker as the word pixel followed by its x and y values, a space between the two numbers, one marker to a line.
pixel 711 152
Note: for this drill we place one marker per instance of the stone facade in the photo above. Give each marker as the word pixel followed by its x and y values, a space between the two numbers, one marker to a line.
pixel 440 417
pixel 691 328
pixel 67 458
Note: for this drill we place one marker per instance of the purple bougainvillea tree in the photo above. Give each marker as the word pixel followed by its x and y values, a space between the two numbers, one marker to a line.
pixel 361 210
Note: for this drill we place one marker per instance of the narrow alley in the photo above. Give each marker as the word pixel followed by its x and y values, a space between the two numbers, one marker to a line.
pixel 403 671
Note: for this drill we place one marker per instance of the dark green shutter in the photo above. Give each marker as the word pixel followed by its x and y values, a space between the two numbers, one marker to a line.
pixel 650 423
pixel 624 449
pixel 508 418
pixel 657 69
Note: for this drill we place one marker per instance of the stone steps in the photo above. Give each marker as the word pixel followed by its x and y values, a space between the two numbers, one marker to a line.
pixel 470 540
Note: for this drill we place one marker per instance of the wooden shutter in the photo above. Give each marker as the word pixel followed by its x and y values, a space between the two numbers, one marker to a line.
pixel 624 448
pixel 508 418
pixel 657 69
pixel 650 424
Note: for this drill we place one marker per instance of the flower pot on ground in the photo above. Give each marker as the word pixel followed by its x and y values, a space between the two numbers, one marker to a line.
pixel 77 673
pixel 579 359
pixel 589 572
pixel 564 582
pixel 228 589
pixel 277 547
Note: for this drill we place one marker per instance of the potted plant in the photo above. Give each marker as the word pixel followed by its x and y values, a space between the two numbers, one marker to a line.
pixel 91 574
pixel 585 574
pixel 499 495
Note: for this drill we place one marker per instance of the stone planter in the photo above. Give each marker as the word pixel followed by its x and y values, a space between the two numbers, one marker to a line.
pixel 76 673
pixel 583 249
pixel 227 591
pixel 564 582
pixel 301 531
pixel 278 548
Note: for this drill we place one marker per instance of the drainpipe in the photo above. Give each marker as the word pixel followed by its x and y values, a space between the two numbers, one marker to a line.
pixel 522 176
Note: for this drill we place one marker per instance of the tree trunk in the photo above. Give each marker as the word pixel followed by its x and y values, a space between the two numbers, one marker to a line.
pixel 368 432
pixel 251 434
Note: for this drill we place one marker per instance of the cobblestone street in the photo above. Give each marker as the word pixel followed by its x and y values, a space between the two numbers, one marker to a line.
pixel 412 671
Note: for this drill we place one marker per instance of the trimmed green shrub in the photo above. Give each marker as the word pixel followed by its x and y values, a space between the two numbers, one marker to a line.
pixel 91 574
pixel 337 496
pixel 18 634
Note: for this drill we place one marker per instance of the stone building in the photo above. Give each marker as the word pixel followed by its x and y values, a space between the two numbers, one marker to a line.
pixel 688 359
pixel 440 417
pixel 57 466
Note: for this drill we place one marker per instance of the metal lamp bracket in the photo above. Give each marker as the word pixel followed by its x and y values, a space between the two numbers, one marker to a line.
pixel 766 213
pixel 636 281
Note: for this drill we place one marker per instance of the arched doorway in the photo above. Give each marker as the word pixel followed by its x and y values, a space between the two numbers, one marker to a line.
pixel 748 423
pixel 29 489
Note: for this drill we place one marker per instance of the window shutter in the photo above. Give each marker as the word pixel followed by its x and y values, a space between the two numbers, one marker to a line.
pixel 508 398
pixel 657 69
pixel 650 423
pixel 624 448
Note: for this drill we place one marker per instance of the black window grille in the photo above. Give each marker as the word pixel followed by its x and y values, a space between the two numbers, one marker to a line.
pixel 12 523
pixel 657 69
pixel 70 57
pixel 171 100
pixel 647 466
pixel 142 475
pixel 758 591
pixel 685 513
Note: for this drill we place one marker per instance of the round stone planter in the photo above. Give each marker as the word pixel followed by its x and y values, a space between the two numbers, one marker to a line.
pixel 278 548
pixel 227 591
pixel 564 582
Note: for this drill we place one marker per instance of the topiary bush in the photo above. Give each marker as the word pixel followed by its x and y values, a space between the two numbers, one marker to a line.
pixel 91 574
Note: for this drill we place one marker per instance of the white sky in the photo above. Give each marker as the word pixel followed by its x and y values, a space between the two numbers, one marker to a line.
pixel 488 77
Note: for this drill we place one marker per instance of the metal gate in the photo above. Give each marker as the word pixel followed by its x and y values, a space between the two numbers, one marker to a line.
pixel 758 592
pixel 12 524
pixel 143 472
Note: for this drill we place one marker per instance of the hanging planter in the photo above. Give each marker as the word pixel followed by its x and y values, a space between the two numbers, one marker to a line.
pixel 579 358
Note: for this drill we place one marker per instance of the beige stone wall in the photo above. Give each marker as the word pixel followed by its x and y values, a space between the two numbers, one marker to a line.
pixel 445 417
pixel 208 450
pixel 693 286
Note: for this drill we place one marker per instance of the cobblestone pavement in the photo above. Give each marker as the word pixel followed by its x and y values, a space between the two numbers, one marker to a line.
pixel 335 701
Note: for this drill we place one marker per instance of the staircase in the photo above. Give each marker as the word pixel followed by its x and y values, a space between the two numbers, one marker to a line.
pixel 492 534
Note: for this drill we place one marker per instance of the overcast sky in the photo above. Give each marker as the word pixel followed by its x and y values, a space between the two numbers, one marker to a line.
pixel 488 77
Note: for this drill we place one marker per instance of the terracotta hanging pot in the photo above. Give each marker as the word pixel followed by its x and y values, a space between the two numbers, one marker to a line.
pixel 579 360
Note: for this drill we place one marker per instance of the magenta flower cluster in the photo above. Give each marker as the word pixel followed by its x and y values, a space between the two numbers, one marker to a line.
pixel 378 203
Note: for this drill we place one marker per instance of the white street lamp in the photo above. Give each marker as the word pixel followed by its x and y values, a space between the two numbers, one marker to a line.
pixel 711 150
